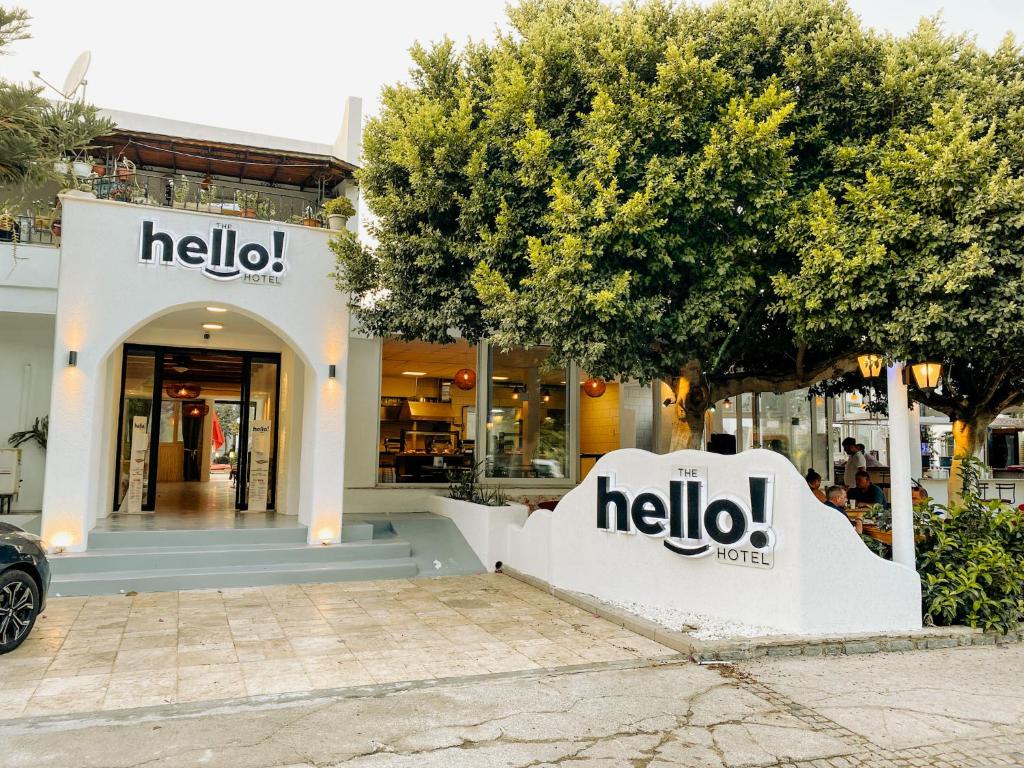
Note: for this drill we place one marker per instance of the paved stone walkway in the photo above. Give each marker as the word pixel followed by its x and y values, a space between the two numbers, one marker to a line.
pixel 117 652
pixel 905 710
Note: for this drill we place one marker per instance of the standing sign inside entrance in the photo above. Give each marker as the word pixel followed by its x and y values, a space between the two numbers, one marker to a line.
pixel 132 502
pixel 259 466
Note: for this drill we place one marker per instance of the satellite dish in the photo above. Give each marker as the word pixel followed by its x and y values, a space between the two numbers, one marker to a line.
pixel 76 75
pixel 75 78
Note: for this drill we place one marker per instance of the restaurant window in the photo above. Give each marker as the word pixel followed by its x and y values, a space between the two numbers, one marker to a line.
pixel 427 420
pixel 599 422
pixel 527 415
pixel 793 424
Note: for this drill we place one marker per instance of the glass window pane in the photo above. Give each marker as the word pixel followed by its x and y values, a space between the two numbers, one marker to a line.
pixel 527 419
pixel 427 410
pixel 599 423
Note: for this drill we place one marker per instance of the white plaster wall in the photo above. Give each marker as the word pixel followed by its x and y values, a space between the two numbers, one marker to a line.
pixel 485 529
pixel 824 579
pixel 105 296
pixel 26 367
pixel 28 278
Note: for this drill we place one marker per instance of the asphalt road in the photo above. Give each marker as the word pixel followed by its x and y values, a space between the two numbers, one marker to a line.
pixel 939 708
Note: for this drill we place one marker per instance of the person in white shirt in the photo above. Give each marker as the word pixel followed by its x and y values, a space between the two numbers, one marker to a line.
pixel 871 460
pixel 854 464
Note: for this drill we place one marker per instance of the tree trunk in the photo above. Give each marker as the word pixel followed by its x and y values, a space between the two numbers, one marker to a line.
pixel 692 401
pixel 969 435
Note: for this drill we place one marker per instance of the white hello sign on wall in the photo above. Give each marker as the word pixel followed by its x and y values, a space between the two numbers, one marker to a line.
pixel 222 255
pixel 659 529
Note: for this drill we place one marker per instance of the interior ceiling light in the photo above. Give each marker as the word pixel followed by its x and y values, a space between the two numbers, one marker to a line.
pixel 499 378
pixel 213 326
pixel 216 309
pixel 414 373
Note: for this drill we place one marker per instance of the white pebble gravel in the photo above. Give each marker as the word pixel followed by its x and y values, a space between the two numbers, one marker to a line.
pixel 697 625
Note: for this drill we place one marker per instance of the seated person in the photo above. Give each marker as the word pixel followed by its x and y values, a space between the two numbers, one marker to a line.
pixel 870 460
pixel 917 492
pixel 864 492
pixel 814 483
pixel 836 499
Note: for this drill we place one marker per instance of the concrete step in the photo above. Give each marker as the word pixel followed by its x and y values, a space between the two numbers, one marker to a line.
pixel 213 577
pixel 198 537
pixel 160 558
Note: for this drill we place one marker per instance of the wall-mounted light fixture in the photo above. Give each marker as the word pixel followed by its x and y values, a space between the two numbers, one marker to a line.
pixel 73 358
pixel 332 371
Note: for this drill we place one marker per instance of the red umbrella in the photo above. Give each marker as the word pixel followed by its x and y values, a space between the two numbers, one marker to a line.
pixel 218 433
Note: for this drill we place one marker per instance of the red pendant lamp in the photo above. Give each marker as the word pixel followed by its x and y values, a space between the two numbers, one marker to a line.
pixel 594 386
pixel 465 378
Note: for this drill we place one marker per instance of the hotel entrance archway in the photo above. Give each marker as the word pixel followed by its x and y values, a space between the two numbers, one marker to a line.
pixel 169 431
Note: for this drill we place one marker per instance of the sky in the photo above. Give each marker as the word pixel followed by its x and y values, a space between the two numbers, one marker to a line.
pixel 284 69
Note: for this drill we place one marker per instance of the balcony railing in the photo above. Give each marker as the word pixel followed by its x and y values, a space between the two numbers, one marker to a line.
pixel 207 196
pixel 29 229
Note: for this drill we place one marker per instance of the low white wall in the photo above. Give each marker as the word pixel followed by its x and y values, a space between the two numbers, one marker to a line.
pixel 822 578
pixel 485 529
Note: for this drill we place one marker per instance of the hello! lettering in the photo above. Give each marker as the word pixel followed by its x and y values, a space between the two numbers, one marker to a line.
pixel 220 258
pixel 689 525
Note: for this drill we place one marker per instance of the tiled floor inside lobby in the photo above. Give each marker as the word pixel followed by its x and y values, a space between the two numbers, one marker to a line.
pixel 189 506
pixel 123 651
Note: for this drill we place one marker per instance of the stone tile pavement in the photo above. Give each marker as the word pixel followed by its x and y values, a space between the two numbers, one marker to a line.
pixel 949 708
pixel 119 652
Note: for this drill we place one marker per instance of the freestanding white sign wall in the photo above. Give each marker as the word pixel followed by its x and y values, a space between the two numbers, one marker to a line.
pixel 735 537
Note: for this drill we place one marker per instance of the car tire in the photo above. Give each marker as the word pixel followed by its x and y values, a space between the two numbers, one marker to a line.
pixel 19 606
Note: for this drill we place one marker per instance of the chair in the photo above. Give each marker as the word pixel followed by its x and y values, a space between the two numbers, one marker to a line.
pixel 983 490
pixel 1010 488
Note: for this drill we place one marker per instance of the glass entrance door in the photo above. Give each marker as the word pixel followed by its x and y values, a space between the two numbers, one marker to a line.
pixel 157 445
pixel 257 464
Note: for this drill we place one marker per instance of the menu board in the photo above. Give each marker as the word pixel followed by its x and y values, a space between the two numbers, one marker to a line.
pixel 132 501
pixel 259 465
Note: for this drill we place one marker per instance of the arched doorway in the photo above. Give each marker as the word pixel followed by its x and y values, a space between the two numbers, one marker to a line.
pixel 199 416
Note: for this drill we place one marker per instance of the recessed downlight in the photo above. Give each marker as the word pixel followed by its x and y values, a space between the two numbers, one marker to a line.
pixel 213 326
pixel 216 309
pixel 414 373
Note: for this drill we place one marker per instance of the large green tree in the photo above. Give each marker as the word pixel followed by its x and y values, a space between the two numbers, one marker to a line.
pixel 923 253
pixel 34 131
pixel 615 182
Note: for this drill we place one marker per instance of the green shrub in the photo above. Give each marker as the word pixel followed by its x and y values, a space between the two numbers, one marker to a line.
pixel 971 560
pixel 464 484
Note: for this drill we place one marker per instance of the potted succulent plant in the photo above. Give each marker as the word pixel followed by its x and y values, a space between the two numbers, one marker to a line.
pixel 338 211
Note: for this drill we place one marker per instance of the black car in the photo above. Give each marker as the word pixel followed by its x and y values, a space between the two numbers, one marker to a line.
pixel 24 579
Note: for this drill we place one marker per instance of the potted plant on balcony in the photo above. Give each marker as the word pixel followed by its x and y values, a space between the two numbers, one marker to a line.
pixel 209 199
pixel 99 168
pixel 8 226
pixel 265 208
pixel 338 211
pixel 42 215
pixel 182 192
pixel 247 202
pixel 309 219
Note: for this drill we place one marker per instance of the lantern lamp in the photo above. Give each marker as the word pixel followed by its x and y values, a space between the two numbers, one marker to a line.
pixel 594 387
pixel 546 396
pixel 727 403
pixel 465 378
pixel 183 391
pixel 870 365
pixel 927 374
